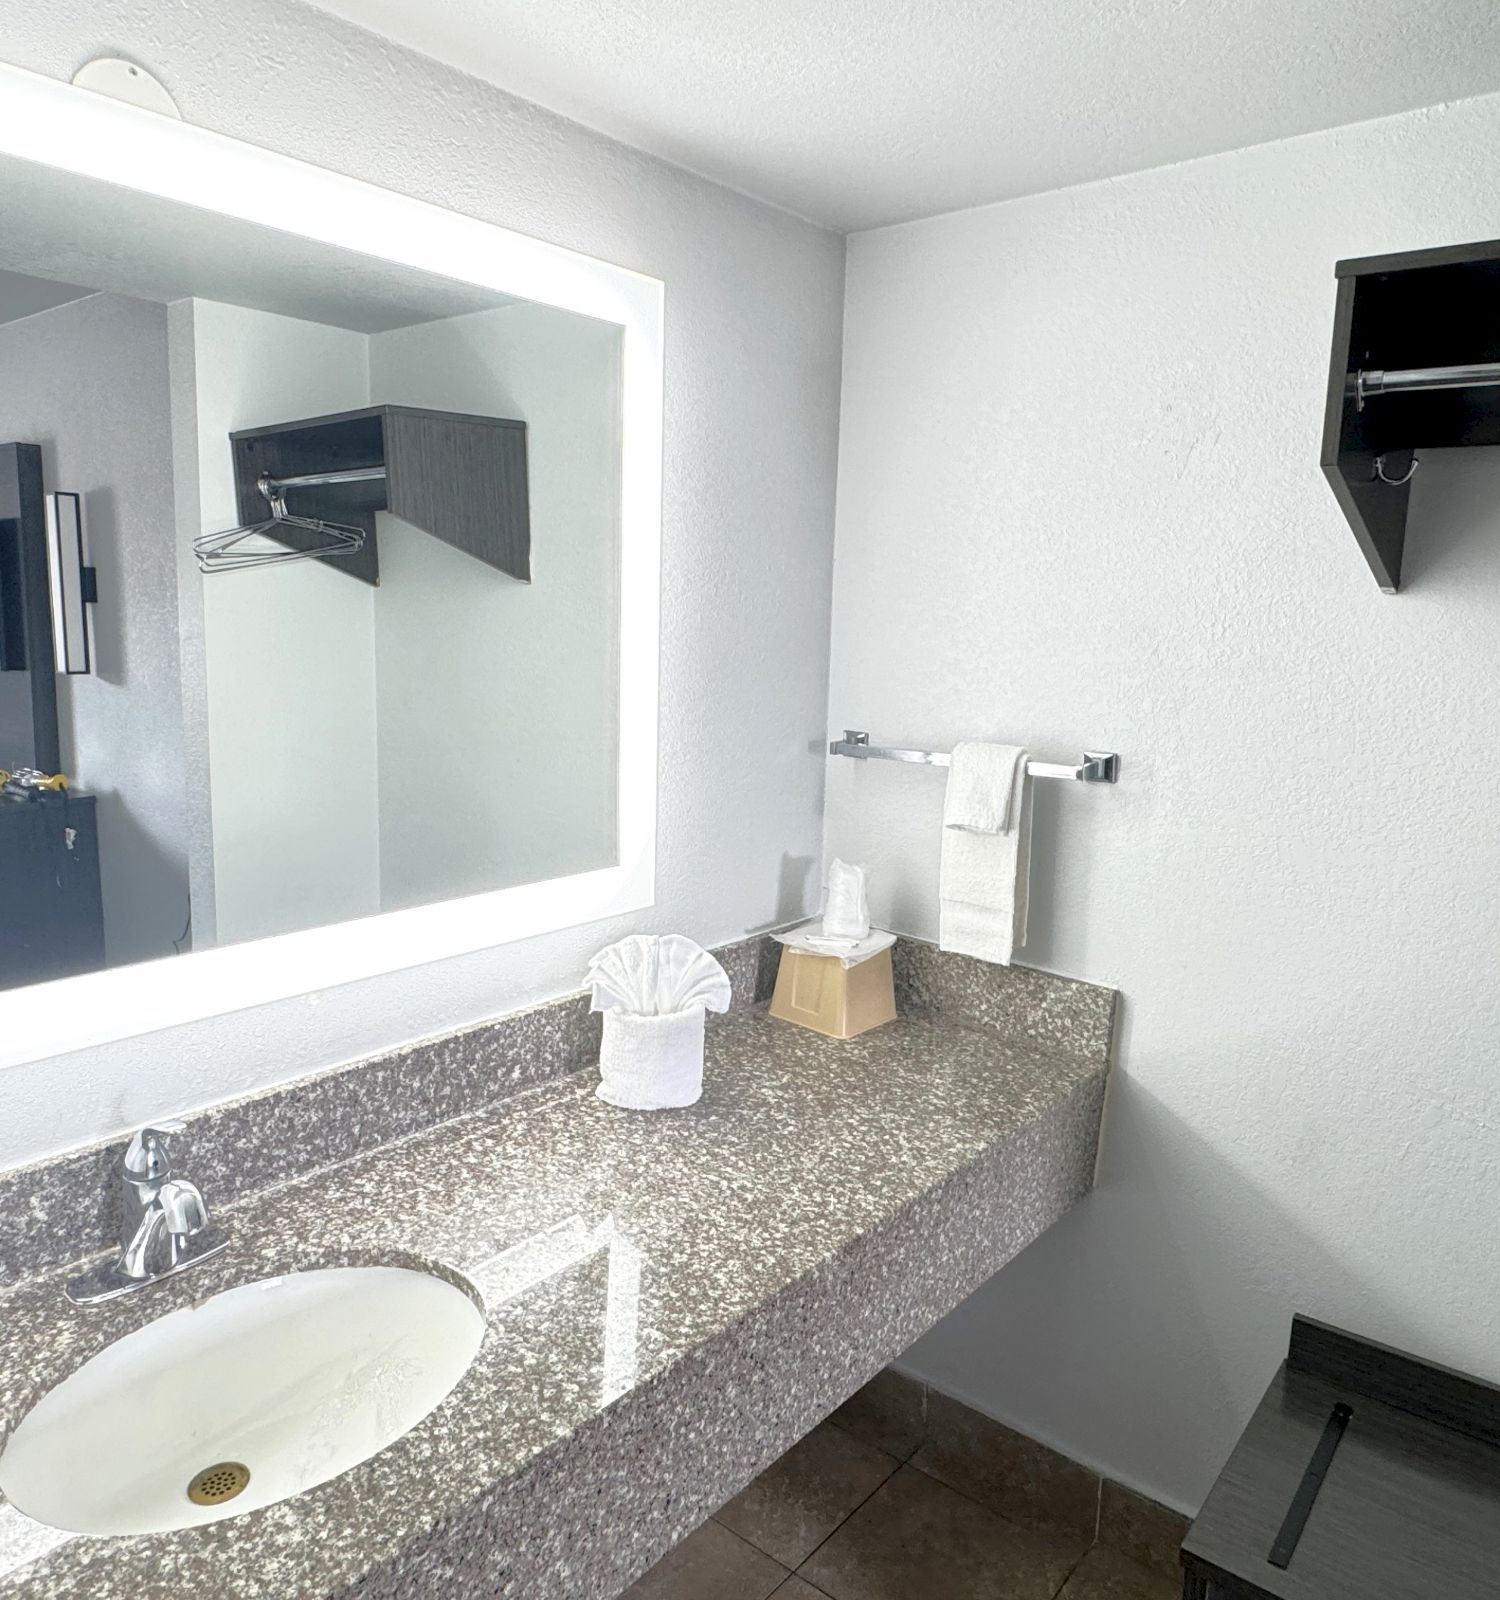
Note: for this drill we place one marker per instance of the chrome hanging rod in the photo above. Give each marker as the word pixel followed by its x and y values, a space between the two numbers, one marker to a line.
pixel 1098 766
pixel 1411 379
pixel 311 480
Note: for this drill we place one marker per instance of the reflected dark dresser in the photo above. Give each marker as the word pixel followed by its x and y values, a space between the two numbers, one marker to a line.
pixel 51 918
pixel 1365 1474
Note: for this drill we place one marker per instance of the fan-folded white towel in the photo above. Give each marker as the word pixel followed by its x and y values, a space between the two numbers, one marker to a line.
pixel 986 857
pixel 653 993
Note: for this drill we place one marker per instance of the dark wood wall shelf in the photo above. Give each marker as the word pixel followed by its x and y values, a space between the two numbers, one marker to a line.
pixel 1423 308
pixel 460 478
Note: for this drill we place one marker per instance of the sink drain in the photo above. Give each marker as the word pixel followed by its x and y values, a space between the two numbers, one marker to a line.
pixel 218 1483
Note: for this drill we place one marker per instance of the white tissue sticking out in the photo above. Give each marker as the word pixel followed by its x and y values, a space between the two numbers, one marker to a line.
pixel 846 914
pixel 653 976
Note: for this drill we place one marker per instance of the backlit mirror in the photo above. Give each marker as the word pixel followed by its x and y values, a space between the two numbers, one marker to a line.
pixel 357 543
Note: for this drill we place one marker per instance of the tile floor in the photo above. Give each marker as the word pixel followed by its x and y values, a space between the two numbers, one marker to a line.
pixel 908 1496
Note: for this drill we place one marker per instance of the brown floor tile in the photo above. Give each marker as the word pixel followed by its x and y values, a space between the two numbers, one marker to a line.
pixel 889 1413
pixel 1105 1574
pixel 794 1505
pixel 710 1564
pixel 916 1539
pixel 1145 1531
pixel 1006 1471
pixel 796 1588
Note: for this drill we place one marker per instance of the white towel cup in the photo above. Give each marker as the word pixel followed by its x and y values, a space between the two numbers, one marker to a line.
pixel 651 1063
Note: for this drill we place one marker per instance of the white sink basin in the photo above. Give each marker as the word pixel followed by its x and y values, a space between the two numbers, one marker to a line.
pixel 296 1379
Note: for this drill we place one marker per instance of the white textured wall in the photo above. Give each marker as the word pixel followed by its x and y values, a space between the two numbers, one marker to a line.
pixel 88 382
pixel 288 652
pixel 1080 506
pixel 498 701
pixel 753 308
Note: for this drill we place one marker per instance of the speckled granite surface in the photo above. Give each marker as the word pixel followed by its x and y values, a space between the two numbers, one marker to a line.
pixel 54 1211
pixel 57 1210
pixel 1017 1003
pixel 672 1299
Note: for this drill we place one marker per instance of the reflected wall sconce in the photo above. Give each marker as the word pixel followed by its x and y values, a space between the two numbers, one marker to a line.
pixel 74 586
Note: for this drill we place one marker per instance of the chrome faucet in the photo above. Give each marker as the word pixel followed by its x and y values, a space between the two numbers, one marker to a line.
pixel 164 1228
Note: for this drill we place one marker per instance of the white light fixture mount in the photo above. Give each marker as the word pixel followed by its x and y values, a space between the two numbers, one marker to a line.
pixel 124 80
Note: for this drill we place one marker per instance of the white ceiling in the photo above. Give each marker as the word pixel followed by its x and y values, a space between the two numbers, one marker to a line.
pixel 862 112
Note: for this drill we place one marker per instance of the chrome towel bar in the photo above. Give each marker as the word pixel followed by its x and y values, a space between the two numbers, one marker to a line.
pixel 1098 766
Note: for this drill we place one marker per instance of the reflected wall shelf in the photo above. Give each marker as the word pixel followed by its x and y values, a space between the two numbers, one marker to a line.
pixel 1396 319
pixel 460 478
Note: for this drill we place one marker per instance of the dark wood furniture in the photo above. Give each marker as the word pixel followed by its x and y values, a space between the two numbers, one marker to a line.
pixel 26 609
pixel 1407 1508
pixel 460 478
pixel 1423 308
pixel 51 920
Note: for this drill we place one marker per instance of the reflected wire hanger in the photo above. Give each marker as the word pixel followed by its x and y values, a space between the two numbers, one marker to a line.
pixel 227 551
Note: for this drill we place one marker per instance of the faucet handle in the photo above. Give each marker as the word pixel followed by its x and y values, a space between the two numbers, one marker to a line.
pixel 146 1156
pixel 183 1207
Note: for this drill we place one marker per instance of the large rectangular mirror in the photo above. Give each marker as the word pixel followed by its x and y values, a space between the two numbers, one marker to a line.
pixel 328 546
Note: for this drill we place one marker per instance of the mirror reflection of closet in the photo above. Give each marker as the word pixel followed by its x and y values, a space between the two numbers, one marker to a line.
pixel 358 535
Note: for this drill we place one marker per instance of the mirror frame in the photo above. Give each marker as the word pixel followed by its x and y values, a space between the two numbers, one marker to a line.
pixel 53 124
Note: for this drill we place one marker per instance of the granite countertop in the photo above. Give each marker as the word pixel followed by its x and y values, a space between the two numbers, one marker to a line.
pixel 672 1299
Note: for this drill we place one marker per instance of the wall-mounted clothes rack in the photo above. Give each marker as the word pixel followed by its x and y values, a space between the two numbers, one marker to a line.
pixel 311 480
pixel 458 477
pixel 1097 766
pixel 1412 380
pixel 1392 312
pixel 279 535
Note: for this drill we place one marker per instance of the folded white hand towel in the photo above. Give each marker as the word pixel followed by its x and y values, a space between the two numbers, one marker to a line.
pixel 654 992
pixel 986 856
pixel 982 787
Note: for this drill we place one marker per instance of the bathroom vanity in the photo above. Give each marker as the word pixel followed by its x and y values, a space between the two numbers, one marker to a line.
pixel 313 771
pixel 669 1300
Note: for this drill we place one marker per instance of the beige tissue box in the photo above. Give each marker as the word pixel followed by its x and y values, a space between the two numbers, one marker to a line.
pixel 821 993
